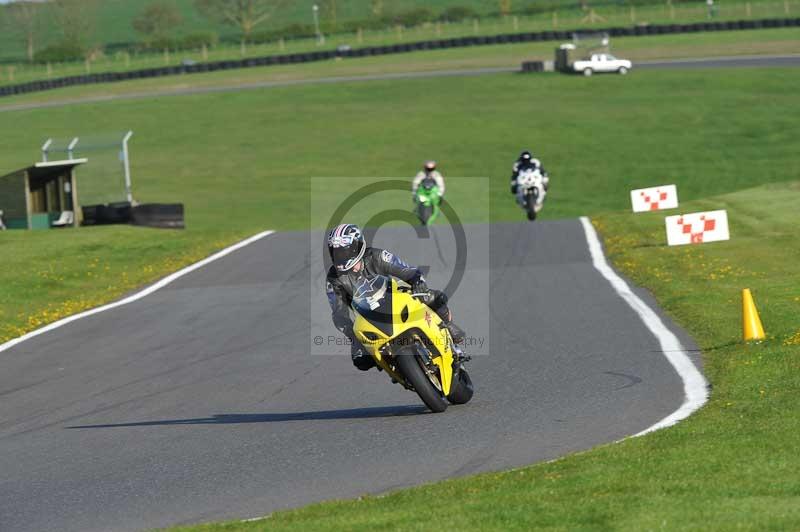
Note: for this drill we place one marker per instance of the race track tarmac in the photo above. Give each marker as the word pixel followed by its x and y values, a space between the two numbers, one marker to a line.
pixel 202 401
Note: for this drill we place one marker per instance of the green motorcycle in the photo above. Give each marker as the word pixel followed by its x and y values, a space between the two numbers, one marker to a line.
pixel 427 201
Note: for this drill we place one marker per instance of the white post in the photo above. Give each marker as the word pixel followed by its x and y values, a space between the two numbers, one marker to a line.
pixel 320 37
pixel 72 147
pixel 127 166
pixel 45 147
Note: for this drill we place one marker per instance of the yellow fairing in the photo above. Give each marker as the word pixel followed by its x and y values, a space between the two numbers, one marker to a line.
pixel 409 319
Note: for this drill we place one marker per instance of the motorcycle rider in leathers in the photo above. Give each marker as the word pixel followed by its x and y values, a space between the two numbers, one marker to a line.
pixel 525 161
pixel 428 172
pixel 353 262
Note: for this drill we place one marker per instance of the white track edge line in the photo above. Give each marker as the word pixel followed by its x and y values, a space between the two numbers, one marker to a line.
pixel 695 386
pixel 138 295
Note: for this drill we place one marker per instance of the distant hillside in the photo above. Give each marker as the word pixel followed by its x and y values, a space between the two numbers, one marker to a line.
pixel 113 24
pixel 114 17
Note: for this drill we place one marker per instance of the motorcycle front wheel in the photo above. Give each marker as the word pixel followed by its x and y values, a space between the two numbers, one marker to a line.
pixel 424 213
pixel 411 366
pixel 462 389
pixel 530 206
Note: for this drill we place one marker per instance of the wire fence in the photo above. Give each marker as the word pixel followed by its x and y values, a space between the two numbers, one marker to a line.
pixel 605 16
pixel 102 179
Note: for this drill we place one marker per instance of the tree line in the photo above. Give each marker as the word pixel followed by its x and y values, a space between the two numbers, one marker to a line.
pixel 73 22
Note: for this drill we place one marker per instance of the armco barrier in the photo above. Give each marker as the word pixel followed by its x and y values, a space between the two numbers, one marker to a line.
pixel 644 30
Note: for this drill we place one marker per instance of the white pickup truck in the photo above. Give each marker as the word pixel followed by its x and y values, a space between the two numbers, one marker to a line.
pixel 602 63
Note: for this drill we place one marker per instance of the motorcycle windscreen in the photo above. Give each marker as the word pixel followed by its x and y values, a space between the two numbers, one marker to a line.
pixel 373 300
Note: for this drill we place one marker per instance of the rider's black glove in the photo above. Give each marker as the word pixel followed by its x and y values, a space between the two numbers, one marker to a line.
pixel 419 287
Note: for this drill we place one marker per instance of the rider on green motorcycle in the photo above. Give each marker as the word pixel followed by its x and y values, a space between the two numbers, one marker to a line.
pixel 428 172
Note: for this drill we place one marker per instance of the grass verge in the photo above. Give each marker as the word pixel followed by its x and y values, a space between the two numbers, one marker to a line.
pixel 731 466
pixel 49 276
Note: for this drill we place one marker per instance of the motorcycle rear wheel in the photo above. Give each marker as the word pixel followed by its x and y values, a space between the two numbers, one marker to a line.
pixel 410 365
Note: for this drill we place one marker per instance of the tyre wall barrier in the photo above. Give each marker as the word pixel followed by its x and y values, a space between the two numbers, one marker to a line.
pixel 105 214
pixel 162 215
pixel 643 30
pixel 533 66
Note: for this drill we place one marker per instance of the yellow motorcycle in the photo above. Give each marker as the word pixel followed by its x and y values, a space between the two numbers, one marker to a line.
pixel 410 342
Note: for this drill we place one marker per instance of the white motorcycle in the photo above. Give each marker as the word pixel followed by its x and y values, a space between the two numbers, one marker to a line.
pixel 531 191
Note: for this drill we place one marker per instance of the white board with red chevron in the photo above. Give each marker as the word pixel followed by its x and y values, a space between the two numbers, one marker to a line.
pixel 654 198
pixel 697 228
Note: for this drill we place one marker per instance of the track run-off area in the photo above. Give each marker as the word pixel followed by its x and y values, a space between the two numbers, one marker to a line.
pixel 198 400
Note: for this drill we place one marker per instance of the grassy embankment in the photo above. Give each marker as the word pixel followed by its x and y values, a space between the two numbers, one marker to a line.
pixel 114 26
pixel 731 466
pixel 112 21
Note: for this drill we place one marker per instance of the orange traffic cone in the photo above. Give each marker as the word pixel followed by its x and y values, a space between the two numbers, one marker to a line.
pixel 751 323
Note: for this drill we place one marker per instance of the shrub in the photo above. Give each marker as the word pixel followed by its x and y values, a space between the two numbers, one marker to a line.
pixel 414 17
pixel 352 26
pixel 161 43
pixel 59 53
pixel 194 41
pixel 548 6
pixel 293 31
pixel 457 13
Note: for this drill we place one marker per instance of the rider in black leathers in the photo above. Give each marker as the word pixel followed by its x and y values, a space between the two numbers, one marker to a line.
pixel 353 262
pixel 524 161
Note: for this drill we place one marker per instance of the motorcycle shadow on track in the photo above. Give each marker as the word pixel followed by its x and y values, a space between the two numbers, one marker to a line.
pixel 321 415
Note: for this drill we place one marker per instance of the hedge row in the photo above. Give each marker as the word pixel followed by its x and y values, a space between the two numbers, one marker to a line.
pixel 36 86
